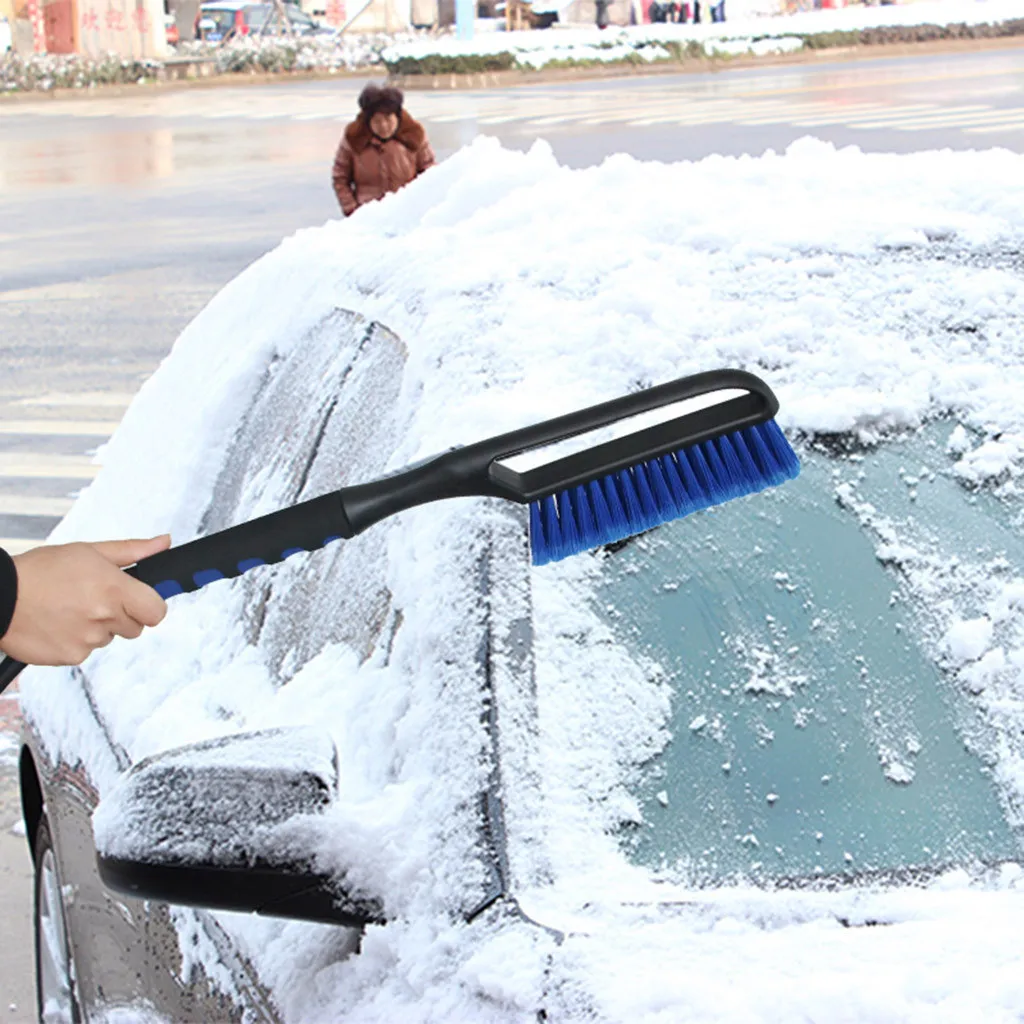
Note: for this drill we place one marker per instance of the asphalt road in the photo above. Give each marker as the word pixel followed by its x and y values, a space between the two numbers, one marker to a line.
pixel 121 217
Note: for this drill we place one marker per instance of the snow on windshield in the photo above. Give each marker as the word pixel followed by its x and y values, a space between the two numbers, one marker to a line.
pixel 871 291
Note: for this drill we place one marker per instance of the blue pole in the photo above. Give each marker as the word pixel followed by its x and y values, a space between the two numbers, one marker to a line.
pixel 465 18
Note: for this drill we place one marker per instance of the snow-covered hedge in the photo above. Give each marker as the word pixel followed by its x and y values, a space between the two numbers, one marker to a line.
pixel 816 30
pixel 46 71
pixel 318 53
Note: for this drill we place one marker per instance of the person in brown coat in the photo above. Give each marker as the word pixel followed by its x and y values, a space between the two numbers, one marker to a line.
pixel 383 149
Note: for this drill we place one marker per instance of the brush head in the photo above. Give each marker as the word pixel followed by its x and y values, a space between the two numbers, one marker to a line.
pixel 640 497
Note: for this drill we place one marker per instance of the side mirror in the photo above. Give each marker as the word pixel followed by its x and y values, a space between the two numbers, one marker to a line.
pixel 201 825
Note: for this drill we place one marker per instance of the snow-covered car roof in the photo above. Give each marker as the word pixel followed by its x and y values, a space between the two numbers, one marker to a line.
pixel 875 293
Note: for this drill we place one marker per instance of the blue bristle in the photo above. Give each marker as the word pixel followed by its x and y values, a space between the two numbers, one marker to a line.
pixel 602 513
pixel 734 469
pixel 644 493
pixel 538 538
pixel 667 506
pixel 750 470
pixel 635 517
pixel 694 488
pixel 723 480
pixel 616 511
pixel 681 497
pixel 789 464
pixel 710 491
pixel 585 518
pixel 567 522
pixel 633 500
pixel 552 531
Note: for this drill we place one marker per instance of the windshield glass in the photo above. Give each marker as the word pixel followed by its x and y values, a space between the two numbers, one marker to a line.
pixel 813 731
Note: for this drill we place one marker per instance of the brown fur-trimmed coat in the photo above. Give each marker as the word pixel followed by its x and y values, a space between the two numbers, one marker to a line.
pixel 365 168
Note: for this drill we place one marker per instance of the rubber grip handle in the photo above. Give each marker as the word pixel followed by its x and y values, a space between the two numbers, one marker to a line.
pixel 264 541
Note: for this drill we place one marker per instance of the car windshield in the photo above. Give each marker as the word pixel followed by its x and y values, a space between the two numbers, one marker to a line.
pixel 813 729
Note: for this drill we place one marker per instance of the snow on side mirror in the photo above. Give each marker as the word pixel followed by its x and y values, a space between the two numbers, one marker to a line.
pixel 206 825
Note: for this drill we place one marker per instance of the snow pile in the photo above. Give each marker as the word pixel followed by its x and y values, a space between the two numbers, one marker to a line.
pixel 523 290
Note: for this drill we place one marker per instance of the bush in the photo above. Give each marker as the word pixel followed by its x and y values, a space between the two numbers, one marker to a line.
pixel 440 64
pixel 43 72
pixel 889 34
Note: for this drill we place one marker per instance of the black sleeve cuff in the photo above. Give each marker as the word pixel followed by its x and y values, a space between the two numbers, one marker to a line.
pixel 8 590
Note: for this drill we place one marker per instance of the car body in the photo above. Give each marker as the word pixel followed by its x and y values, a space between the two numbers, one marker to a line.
pixel 232 19
pixel 773 743
pixel 171 30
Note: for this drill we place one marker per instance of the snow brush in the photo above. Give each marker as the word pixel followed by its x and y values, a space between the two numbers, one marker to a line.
pixel 715 439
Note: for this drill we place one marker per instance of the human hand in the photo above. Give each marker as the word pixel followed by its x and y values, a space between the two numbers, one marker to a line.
pixel 74 598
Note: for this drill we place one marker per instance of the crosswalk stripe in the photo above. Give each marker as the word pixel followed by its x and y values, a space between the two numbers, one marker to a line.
pixel 1009 126
pixel 84 399
pixel 27 505
pixel 59 428
pixel 31 465
pixel 893 119
pixel 967 120
pixel 831 115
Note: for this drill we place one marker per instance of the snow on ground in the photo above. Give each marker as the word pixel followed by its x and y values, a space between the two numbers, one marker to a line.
pixel 523 289
pixel 738 35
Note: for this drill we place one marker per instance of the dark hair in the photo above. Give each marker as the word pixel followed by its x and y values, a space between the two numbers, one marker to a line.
pixel 379 99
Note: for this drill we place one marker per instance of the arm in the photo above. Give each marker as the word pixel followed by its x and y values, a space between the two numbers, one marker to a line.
pixel 424 158
pixel 69 599
pixel 341 178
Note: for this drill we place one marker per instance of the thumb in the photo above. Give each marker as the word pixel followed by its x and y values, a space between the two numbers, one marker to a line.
pixel 126 552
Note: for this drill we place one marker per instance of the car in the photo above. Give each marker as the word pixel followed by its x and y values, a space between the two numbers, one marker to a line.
pixel 171 30
pixel 231 19
pixel 759 764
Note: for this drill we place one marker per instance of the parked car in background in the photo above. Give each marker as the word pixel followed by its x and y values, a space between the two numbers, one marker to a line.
pixel 231 19
pixel 171 30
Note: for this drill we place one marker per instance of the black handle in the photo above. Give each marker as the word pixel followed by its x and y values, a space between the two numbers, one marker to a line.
pixel 264 541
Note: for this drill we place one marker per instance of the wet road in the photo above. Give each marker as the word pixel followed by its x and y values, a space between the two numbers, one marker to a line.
pixel 121 217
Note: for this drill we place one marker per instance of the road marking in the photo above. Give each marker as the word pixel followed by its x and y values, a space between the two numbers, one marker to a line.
pixel 1009 126
pixel 105 399
pixel 64 467
pixel 968 120
pixel 59 428
pixel 892 119
pixel 26 505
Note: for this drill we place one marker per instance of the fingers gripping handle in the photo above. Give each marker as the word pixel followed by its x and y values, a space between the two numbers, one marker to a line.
pixel 264 541
pixel 231 552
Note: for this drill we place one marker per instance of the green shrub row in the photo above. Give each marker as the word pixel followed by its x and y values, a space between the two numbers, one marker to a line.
pixel 911 34
pixel 439 64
